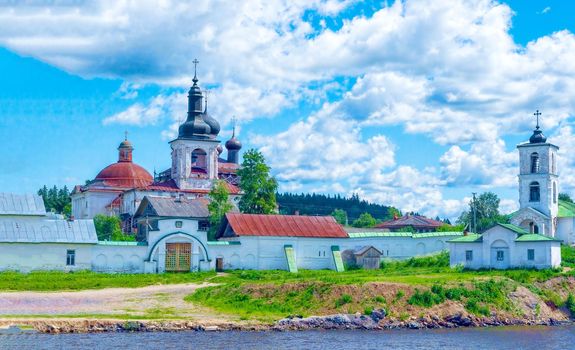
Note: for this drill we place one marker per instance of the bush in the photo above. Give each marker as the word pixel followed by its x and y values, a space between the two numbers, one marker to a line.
pixel 570 304
pixel 426 299
pixel 344 299
pixel 473 306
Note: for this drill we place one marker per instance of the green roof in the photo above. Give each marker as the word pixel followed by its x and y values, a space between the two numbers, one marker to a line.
pixel 566 209
pixel 224 243
pixel 370 234
pixel 123 243
pixel 514 228
pixel 470 238
pixel 534 237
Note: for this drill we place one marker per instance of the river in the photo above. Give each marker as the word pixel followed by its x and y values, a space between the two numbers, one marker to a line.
pixel 515 338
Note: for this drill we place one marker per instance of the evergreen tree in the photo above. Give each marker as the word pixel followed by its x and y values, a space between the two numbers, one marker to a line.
pixel 218 207
pixel 108 228
pixel 55 199
pixel 486 213
pixel 258 186
pixel 565 197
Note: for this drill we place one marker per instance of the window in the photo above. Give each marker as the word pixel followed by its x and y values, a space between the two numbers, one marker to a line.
pixel 531 254
pixel 554 192
pixel 179 224
pixel 70 257
pixel 534 162
pixel 553 167
pixel 500 255
pixel 203 225
pixel 534 192
pixel 468 255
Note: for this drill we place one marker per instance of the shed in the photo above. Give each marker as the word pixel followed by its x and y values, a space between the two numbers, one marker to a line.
pixel 368 257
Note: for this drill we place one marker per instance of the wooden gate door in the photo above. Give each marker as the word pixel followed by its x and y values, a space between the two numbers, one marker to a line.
pixel 219 264
pixel 178 257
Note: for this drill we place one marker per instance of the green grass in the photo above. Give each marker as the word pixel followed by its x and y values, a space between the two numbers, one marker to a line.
pixel 568 256
pixel 82 280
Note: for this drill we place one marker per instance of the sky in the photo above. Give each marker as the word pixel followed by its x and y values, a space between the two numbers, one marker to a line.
pixel 414 103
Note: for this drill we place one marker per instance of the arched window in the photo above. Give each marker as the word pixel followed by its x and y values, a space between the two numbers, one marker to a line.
pixel 534 162
pixel 534 192
pixel 555 192
pixel 199 162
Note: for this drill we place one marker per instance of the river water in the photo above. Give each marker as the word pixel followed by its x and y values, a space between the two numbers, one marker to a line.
pixel 539 338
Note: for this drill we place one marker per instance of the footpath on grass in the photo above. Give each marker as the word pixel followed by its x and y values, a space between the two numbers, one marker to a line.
pixel 418 293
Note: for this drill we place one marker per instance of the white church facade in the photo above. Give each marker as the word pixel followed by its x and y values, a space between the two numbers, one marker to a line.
pixel 534 235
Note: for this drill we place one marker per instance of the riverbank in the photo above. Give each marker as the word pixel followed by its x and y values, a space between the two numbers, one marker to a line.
pixel 419 293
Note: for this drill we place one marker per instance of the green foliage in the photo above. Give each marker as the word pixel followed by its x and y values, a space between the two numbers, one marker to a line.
pixel 425 299
pixel 407 229
pixel 486 212
pixel 565 197
pixel 340 216
pixel 365 220
pixel 218 207
pixel 570 304
pixel 437 260
pixel 567 256
pixel 108 228
pixel 258 185
pixel 344 299
pixel 450 228
pixel 56 199
pixel 320 204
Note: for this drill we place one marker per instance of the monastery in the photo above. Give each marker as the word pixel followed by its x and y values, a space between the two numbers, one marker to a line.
pixel 168 213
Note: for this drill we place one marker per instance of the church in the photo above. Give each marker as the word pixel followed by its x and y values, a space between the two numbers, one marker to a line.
pixel 196 162
pixel 534 235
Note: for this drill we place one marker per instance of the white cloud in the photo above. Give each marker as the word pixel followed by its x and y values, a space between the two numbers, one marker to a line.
pixel 446 69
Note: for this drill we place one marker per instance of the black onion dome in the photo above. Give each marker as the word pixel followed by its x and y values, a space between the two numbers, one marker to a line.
pixel 537 136
pixel 233 144
pixel 220 149
pixel 213 123
pixel 195 126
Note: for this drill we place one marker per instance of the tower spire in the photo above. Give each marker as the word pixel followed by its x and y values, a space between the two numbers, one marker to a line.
pixel 195 62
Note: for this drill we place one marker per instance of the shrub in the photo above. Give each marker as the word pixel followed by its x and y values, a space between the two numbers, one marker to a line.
pixel 344 299
pixel 570 304
pixel 473 306
pixel 426 299
pixel 368 310
pixel 400 294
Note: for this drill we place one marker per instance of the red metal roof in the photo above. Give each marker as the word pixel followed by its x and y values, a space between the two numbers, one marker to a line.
pixel 124 174
pixel 285 225
pixel 414 221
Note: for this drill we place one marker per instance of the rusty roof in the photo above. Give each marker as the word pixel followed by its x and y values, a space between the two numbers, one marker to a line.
pixel 281 226
pixel 414 221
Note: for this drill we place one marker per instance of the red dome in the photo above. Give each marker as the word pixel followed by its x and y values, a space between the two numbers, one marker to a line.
pixel 125 174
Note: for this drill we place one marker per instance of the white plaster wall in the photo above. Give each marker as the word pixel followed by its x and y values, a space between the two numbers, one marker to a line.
pixel 565 230
pixel 118 258
pixel 457 255
pixel 26 257
pixel 543 255
pixel 96 204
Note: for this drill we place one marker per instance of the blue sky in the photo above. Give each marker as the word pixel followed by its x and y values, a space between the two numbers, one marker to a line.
pixel 413 104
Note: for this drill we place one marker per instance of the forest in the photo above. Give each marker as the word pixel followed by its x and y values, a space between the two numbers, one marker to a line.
pixel 320 204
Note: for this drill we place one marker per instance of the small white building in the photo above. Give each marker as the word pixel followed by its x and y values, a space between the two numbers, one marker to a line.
pixel 505 246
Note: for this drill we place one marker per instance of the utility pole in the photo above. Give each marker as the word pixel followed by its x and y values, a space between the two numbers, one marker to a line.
pixel 474 211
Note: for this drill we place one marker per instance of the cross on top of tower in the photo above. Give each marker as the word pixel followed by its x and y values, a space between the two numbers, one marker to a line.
pixel 537 114
pixel 195 62
pixel 126 135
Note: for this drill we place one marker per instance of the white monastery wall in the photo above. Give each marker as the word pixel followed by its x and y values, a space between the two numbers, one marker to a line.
pixel 26 257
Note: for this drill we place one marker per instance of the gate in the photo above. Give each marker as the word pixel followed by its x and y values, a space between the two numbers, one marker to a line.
pixel 178 257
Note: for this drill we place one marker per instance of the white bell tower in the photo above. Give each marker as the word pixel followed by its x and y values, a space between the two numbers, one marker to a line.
pixel 538 184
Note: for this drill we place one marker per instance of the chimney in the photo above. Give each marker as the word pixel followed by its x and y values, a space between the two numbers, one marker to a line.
pixel 296 212
pixel 395 217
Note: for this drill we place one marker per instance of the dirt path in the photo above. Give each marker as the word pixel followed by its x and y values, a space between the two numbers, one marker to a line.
pixel 159 301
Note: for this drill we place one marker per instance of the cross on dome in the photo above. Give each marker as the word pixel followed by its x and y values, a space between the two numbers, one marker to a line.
pixel 537 114
pixel 195 62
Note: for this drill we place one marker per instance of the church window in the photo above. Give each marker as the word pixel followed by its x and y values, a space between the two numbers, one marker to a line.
pixel 534 193
pixel 179 224
pixel 534 162
pixel 500 255
pixel 70 257
pixel 535 229
pixel 531 254
pixel 468 255
pixel 554 192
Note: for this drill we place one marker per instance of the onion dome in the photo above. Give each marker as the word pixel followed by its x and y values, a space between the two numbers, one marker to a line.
pixel 212 122
pixel 220 149
pixel 537 136
pixel 124 173
pixel 194 127
pixel 233 144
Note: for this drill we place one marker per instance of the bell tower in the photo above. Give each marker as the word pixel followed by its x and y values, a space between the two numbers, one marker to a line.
pixel 195 151
pixel 538 181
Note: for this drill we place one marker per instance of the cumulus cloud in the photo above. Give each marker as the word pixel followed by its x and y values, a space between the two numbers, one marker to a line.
pixel 449 70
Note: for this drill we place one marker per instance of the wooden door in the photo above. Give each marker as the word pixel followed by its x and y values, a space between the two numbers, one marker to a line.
pixel 219 264
pixel 178 257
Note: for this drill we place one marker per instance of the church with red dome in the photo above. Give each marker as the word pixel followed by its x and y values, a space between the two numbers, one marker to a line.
pixel 197 161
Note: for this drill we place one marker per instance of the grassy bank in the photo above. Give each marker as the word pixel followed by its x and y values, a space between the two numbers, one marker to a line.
pixel 82 280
